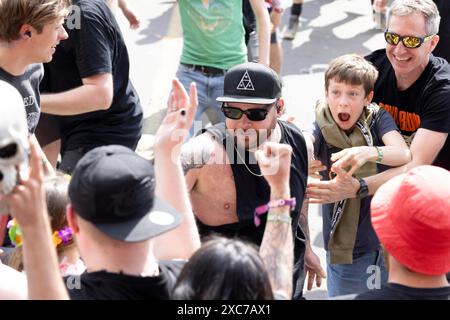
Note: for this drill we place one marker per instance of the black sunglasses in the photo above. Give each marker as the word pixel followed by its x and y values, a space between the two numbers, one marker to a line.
pixel 410 42
pixel 252 114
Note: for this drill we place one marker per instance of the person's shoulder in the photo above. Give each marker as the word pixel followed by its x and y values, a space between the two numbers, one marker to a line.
pixel 378 112
pixel 377 57
pixel 290 127
pixel 440 69
pixel 207 142
pixel 92 9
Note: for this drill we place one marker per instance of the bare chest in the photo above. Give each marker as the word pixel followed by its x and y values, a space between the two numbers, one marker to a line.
pixel 214 196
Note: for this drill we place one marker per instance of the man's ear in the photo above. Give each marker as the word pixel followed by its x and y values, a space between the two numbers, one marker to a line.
pixel 434 41
pixel 280 106
pixel 72 219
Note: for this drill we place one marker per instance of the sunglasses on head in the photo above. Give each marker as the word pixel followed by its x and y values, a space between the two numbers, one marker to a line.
pixel 410 42
pixel 252 114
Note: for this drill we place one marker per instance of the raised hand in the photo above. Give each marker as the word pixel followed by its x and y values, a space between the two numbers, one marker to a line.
pixel 180 114
pixel 27 201
pixel 274 160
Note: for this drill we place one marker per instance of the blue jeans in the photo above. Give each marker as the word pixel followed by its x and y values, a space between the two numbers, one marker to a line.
pixel 367 272
pixel 208 89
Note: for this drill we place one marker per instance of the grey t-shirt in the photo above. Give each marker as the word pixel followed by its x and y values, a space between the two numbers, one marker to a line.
pixel 28 87
pixel 366 239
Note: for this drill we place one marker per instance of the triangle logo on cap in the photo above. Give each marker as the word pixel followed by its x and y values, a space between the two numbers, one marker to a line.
pixel 246 83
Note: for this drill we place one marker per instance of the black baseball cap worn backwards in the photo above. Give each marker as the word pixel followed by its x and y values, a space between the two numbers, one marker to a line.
pixel 113 188
pixel 251 83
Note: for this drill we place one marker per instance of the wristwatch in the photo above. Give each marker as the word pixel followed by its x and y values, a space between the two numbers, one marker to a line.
pixel 363 190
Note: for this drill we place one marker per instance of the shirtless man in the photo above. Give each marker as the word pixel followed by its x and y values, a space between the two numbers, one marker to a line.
pixel 224 180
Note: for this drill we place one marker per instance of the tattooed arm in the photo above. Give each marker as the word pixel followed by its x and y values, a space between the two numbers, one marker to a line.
pixel 195 154
pixel 277 249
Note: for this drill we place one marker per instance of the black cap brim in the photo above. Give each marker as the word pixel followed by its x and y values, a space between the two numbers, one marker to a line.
pixel 159 220
pixel 245 99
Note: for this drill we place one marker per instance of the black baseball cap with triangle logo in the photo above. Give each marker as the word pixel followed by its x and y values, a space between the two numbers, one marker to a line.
pixel 251 83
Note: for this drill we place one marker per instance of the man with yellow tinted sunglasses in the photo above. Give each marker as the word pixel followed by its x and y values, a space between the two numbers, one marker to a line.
pixel 409 42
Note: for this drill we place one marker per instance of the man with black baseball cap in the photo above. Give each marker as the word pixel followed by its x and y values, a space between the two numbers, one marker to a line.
pixel 113 189
pixel 224 180
pixel 117 218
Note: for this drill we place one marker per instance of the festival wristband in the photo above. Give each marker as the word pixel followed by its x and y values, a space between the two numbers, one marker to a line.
pixel 279 218
pixel 272 204
pixel 379 155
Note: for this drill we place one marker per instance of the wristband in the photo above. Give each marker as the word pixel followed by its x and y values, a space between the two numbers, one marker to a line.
pixel 279 218
pixel 380 155
pixel 272 204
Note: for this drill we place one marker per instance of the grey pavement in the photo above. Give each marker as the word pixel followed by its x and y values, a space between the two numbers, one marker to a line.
pixel 329 28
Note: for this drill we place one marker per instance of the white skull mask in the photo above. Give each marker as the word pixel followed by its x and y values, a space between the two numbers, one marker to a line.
pixel 14 146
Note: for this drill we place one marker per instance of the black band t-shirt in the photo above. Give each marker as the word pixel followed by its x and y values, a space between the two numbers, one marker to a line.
pixel 425 104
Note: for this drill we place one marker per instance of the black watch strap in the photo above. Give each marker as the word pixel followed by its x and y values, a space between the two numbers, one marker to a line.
pixel 363 190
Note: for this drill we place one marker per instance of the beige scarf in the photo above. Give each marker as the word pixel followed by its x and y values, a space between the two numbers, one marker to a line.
pixel 346 213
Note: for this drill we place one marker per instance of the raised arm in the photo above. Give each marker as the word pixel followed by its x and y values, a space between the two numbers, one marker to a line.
pixel 263 29
pixel 27 205
pixel 181 242
pixel 277 249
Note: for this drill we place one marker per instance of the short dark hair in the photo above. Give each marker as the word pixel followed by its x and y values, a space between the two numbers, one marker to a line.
pixel 224 269
pixel 352 69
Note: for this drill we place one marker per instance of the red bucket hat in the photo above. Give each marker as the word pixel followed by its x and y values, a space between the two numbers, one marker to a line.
pixel 411 216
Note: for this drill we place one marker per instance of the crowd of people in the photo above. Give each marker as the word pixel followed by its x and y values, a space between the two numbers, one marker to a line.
pixel 221 212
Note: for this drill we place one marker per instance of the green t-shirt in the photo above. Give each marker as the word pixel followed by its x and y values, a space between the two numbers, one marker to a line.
pixel 213 35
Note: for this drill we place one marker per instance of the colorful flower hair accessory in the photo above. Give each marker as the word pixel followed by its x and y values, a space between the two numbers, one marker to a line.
pixel 14 233
pixel 62 236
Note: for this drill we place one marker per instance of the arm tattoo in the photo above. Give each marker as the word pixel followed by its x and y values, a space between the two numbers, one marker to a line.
pixel 303 222
pixel 277 252
pixel 195 158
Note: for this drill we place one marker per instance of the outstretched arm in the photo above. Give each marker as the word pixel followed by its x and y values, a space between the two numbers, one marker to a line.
pixel 394 153
pixel 424 148
pixel 181 242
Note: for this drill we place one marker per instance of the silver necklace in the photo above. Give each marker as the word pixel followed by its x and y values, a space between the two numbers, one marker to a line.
pixel 243 161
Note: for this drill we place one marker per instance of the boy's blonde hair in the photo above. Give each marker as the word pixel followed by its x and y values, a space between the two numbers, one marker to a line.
pixel 37 13
pixel 352 69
